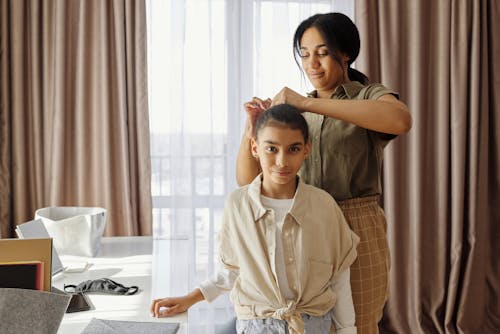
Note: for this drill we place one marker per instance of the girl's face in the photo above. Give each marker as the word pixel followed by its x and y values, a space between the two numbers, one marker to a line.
pixel 324 72
pixel 281 151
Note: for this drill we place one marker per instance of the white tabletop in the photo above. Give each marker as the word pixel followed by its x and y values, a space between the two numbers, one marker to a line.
pixel 129 261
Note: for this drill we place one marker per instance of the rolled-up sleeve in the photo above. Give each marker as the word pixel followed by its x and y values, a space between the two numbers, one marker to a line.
pixel 221 283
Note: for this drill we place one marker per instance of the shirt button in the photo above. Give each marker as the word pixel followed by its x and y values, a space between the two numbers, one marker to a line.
pixel 290 259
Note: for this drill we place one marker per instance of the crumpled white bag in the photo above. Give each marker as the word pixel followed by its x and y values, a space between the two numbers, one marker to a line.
pixel 74 230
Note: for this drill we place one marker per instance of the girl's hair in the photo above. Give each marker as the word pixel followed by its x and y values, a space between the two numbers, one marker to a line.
pixel 341 37
pixel 282 115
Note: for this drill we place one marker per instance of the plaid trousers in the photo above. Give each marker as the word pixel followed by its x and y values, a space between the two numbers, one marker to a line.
pixel 369 273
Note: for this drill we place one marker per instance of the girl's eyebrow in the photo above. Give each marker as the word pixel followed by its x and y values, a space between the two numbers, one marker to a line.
pixel 275 143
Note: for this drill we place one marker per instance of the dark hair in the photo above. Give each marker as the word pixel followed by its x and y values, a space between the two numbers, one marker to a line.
pixel 341 37
pixel 283 115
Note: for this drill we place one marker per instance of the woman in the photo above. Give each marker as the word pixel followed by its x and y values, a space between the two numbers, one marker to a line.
pixel 350 123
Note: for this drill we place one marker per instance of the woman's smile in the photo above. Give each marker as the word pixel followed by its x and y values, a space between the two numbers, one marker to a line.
pixel 316 75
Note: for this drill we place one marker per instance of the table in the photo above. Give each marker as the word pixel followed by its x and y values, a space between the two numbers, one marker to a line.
pixel 130 261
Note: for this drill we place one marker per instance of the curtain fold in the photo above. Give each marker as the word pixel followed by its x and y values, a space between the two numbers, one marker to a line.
pixel 5 153
pixel 74 101
pixel 441 181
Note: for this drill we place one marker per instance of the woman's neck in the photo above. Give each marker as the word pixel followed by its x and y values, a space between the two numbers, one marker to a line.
pixel 327 93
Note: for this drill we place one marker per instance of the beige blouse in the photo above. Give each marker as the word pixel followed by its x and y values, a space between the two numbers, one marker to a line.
pixel 317 245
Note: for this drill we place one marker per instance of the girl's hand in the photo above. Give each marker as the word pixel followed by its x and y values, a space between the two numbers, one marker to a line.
pixel 254 108
pixel 289 96
pixel 167 307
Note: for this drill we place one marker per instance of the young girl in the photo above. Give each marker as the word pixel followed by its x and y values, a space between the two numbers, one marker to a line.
pixel 285 245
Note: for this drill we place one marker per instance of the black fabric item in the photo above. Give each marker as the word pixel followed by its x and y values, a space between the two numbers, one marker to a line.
pixel 101 285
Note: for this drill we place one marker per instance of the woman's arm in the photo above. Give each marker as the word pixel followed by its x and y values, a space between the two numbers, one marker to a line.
pixel 386 114
pixel 248 167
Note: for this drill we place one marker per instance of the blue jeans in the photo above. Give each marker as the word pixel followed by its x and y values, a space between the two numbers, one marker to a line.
pixel 312 325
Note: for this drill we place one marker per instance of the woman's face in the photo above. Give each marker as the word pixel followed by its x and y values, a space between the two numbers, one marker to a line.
pixel 324 72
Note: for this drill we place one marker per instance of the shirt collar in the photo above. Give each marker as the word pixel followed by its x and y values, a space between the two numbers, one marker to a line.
pixel 350 89
pixel 299 206
pixel 254 194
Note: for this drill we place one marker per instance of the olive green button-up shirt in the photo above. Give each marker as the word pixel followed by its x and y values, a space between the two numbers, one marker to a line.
pixel 317 245
pixel 345 159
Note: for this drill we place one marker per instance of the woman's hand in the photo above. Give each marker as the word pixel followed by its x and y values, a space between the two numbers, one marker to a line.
pixel 289 96
pixel 167 307
pixel 254 108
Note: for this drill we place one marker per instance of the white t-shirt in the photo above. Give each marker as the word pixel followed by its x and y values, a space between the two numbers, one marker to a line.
pixel 280 207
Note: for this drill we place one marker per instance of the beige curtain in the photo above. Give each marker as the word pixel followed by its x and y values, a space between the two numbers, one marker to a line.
pixel 74 123
pixel 442 180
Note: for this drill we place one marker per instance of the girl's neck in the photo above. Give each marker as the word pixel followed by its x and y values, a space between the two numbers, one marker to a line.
pixel 279 191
